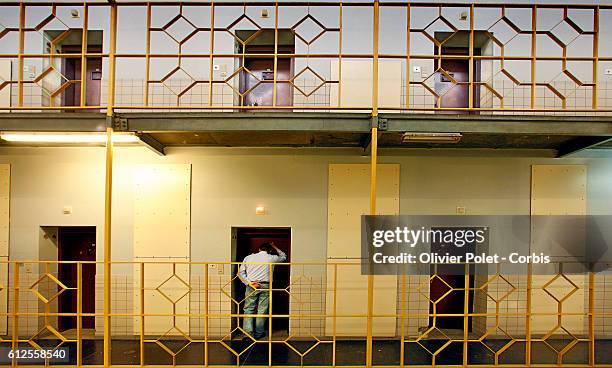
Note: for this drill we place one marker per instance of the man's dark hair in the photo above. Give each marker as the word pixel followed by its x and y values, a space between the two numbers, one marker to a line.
pixel 266 247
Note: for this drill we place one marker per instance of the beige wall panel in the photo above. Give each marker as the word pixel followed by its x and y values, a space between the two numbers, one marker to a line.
pixel 162 217
pixel 4 287
pixel 348 199
pixel 356 83
pixel 5 192
pixel 558 190
pixel 5 75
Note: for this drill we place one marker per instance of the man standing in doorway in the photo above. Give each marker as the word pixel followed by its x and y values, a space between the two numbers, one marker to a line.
pixel 255 274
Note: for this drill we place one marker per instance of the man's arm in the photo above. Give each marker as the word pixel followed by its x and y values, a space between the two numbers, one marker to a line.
pixel 281 257
pixel 242 274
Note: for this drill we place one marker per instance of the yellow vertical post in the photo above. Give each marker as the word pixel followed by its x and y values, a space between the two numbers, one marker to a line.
pixel 79 322
pixel 534 28
pixel 274 93
pixel 335 309
pixel 107 245
pixel 407 56
pixel 528 316
pixel 142 314
pixel 148 57
pixel 403 321
pixel 83 97
pixel 108 187
pixel 16 289
pixel 339 55
pixel 375 67
pixel 370 311
pixel 466 312
pixel 206 312
pixel 592 318
pixel 22 10
pixel 373 167
pixel 471 65
pixel 212 49
pixel 111 60
pixel 595 97
pixel 270 271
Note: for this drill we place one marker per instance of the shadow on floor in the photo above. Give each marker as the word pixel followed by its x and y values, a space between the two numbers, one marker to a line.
pixel 348 352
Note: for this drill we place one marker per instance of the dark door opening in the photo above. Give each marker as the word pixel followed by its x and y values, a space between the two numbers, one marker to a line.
pixel 453 84
pixel 258 82
pixel 246 240
pixel 71 69
pixel 451 276
pixel 257 79
pixel 77 243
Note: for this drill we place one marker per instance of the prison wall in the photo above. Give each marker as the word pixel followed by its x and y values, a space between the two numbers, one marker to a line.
pixel 292 184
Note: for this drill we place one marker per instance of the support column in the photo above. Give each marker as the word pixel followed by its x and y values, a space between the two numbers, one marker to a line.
pixel 373 167
pixel 107 244
pixel 108 187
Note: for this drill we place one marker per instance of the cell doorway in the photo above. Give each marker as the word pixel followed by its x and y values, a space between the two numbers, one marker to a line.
pixel 77 243
pixel 245 241
pixel 69 245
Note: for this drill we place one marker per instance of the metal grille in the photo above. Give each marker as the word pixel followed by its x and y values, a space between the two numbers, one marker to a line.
pixel 514 320
pixel 191 56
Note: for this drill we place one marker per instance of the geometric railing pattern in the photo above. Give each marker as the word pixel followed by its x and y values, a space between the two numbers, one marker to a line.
pixel 563 327
pixel 196 55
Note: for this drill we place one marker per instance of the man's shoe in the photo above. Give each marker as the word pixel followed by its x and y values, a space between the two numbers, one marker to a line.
pixel 247 340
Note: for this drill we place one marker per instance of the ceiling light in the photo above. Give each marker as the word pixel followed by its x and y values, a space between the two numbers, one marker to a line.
pixel 66 138
pixel 431 137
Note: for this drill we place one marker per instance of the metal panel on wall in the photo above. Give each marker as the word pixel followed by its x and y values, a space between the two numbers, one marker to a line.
pixel 557 190
pixel 348 199
pixel 162 223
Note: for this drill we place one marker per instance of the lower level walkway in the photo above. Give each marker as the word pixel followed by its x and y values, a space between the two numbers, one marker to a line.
pixel 347 353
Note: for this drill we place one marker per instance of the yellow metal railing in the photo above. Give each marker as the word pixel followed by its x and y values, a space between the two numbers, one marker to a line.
pixel 193 56
pixel 188 313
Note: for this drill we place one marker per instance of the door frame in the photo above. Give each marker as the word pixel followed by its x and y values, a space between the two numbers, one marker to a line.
pixel 60 271
pixel 49 251
pixel 234 268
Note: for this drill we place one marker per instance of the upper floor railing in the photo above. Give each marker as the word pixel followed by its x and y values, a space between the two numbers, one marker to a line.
pixel 306 56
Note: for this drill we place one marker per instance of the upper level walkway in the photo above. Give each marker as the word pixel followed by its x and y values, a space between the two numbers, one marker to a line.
pixel 357 56
pixel 320 74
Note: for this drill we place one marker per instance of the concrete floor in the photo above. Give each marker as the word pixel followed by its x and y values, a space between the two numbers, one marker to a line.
pixel 348 352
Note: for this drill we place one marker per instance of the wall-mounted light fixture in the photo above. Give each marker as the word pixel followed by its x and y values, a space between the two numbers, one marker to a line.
pixel 260 210
pixel 67 137
pixel 431 137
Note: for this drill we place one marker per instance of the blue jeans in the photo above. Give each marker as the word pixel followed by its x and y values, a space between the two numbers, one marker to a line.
pixel 257 301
